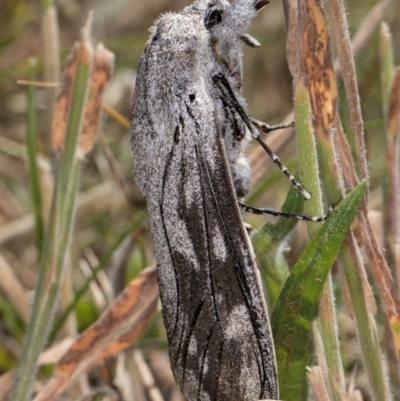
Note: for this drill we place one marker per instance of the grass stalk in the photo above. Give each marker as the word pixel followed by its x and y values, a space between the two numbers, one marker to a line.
pixel 32 160
pixel 51 57
pixel 386 65
pixel 317 66
pixel 58 233
pixel 308 163
pixel 391 175
pixel 268 182
pixel 47 4
pixel 345 53
pixel 102 264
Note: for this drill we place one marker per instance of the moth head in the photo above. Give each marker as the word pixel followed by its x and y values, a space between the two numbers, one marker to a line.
pixel 228 24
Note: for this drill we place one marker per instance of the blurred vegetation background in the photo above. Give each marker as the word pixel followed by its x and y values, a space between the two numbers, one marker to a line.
pixel 109 198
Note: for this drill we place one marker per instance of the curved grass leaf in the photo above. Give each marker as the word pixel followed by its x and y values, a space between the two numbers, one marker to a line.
pixel 298 303
pixel 267 243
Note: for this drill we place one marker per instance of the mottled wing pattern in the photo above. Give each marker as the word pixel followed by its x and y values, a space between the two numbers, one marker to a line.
pixel 214 312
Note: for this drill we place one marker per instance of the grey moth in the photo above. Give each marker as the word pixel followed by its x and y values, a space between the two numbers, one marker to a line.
pixel 189 132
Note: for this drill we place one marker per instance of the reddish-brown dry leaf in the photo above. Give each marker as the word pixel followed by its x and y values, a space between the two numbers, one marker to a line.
pixel 99 79
pixel 63 103
pixel 318 64
pixel 118 326
pixel 316 379
pixel 81 50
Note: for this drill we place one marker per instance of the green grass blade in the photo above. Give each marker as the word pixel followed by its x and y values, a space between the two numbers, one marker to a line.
pixel 102 264
pixel 267 246
pixel 386 65
pixel 298 303
pixel 58 233
pixel 32 162
pixel 268 182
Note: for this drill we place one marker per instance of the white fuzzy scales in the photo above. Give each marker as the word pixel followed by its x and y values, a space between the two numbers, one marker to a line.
pixel 188 142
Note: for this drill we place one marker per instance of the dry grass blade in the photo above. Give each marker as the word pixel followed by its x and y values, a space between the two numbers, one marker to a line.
pixel 369 25
pixel 63 103
pixel 318 65
pixel 13 289
pixel 49 356
pixel 103 196
pixel 37 84
pixel 51 56
pixel 124 320
pixel 391 176
pixel 345 53
pixel 278 139
pixel 380 269
pixel 99 79
pixel 147 378
pixel 317 383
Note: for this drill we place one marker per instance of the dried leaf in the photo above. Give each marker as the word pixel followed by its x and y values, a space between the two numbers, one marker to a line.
pixel 63 103
pixel 100 77
pixel 318 64
pixel 119 325
pixel 317 383
pixel 13 289
pixel 82 51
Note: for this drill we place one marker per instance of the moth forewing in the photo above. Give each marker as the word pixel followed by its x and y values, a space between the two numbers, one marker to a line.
pixel 217 325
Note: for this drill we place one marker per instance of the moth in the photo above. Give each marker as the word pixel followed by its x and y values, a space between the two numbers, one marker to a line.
pixel 189 132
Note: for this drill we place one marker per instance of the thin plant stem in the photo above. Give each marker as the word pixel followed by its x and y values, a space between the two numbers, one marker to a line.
pixel 32 161
pixel 58 233
pixel 308 162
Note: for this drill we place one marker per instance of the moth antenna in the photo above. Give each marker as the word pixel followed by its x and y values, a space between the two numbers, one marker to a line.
pixel 290 177
pixel 250 41
pixel 267 211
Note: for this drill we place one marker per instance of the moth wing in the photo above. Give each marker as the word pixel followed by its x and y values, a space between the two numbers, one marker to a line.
pixel 213 307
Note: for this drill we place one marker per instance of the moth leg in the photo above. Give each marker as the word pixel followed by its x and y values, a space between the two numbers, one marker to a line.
pixel 277 161
pixel 268 128
pixel 267 211
pixel 231 100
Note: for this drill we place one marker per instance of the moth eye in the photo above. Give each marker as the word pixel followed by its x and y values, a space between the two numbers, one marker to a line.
pixel 213 17
pixel 261 4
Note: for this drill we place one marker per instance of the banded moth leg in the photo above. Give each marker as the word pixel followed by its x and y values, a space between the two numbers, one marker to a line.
pixel 230 99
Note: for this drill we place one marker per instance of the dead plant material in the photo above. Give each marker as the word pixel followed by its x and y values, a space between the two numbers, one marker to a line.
pixel 99 79
pixel 63 103
pixel 317 383
pixel 119 325
pixel 104 196
pixel 13 289
pixel 82 52
pixel 279 139
pixel 147 379
pixel 391 177
pixel 116 115
pixel 50 356
pixel 51 54
pixel 318 64
pixel 345 53
pixel 37 84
